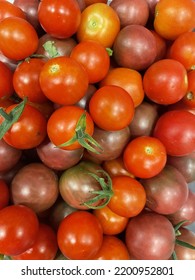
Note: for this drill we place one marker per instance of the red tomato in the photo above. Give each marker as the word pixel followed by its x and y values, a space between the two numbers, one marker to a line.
pixel 26 80
pixel 145 156
pixel 62 124
pixel 80 236
pixel 189 97
pixel 111 108
pixel 18 38
pixel 8 9
pixel 19 227
pixel 59 18
pixel 129 196
pixel 44 248
pixel 111 222
pixel 112 248
pixel 99 22
pixel 94 58
pixel 4 190
pixel 165 81
pixel 6 85
pixel 63 80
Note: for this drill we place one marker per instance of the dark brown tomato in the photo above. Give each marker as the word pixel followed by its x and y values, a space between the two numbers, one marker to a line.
pixel 5 196
pixel 35 186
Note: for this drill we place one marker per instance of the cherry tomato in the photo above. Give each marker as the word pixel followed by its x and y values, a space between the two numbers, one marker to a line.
pixel 99 22
pixel 80 235
pixel 145 156
pixel 8 9
pixel 19 227
pixel 115 167
pixel 65 14
pixel 111 108
pixel 129 197
pixel 4 190
pixel 189 97
pixel 6 85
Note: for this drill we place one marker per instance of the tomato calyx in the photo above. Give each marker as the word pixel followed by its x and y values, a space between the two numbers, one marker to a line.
pixel 180 242
pixel 11 117
pixel 109 51
pixel 84 139
pixel 104 194
pixel 51 49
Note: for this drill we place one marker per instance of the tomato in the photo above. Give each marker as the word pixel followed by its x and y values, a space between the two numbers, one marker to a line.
pixel 111 108
pixel 24 190
pixel 63 80
pixel 174 17
pixel 80 242
pixel 19 227
pixel 8 9
pixel 99 22
pixel 94 58
pixel 111 222
pixel 182 50
pixel 115 167
pixel 44 248
pixel 128 79
pixel 65 14
pixel 5 196
pixel 62 124
pixel 145 156
pixel 189 97
pixel 150 236
pixel 129 196
pixel 89 2
pixel 112 248
pixel 176 130
pixel 26 80
pixel 26 132
pixel 6 85
pixel 165 81
pixel 18 38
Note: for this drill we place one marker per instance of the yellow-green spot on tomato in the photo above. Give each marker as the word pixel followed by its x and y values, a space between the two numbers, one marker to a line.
pixel 54 68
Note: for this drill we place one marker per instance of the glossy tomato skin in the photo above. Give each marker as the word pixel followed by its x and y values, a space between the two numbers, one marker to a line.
pixel 5 195
pixel 63 80
pixel 129 196
pixel 165 81
pixel 99 22
pixel 111 108
pixel 26 132
pixel 189 98
pixel 145 156
pixel 176 130
pixel 65 14
pixel 150 236
pixel 18 38
pixel 6 86
pixel 19 227
pixel 44 248
pixel 8 9
pixel 62 123
pixel 80 235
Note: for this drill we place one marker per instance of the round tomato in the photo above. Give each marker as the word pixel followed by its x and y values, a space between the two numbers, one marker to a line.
pixel 6 85
pixel 80 236
pixel 63 80
pixel 99 22
pixel 129 196
pixel 189 97
pixel 18 38
pixel 4 190
pixel 59 19
pixel 128 79
pixel 111 108
pixel 94 58
pixel 174 17
pixel 145 156
pixel 8 9
pixel 165 81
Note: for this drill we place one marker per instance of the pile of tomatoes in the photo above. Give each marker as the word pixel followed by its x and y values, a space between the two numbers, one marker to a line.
pixel 97 129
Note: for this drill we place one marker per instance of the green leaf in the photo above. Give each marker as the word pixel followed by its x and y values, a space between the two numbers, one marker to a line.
pixel 51 49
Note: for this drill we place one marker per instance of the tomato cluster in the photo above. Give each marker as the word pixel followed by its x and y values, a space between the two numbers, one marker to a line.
pixel 97 129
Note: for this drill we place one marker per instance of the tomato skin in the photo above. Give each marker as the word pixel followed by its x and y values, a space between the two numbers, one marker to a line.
pixel 63 80
pixel 176 130
pixel 8 9
pixel 62 123
pixel 129 196
pixel 111 108
pixel 26 132
pixel 4 190
pixel 189 97
pixel 18 38
pixel 65 14
pixel 145 156
pixel 44 248
pixel 6 85
pixel 99 22
pixel 19 227
pixel 165 81
pixel 94 58
pixel 80 242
